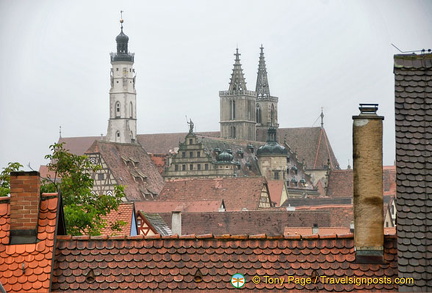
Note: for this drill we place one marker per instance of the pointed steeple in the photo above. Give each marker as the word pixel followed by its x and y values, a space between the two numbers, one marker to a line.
pixel 238 82
pixel 122 41
pixel 262 86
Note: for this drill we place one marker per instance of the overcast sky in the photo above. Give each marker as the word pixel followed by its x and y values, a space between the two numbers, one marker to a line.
pixel 55 64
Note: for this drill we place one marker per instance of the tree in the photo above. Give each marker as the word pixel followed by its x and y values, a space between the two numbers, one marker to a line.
pixel 5 177
pixel 84 210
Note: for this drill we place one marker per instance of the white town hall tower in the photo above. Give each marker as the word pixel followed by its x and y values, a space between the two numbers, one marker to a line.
pixel 122 125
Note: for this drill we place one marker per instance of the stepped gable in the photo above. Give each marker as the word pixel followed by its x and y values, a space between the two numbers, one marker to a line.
pixel 413 114
pixel 27 267
pixel 127 161
pixel 237 192
pixel 311 144
pixel 206 263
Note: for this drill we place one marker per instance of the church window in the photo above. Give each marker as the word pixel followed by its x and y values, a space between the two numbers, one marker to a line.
pixel 258 114
pixel 190 167
pixel 232 132
pixel 183 167
pixel 232 110
pixel 117 138
pixel 131 110
pixel 117 107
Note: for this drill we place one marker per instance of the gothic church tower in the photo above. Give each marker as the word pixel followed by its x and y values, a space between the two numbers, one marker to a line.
pixel 266 107
pixel 237 107
pixel 122 126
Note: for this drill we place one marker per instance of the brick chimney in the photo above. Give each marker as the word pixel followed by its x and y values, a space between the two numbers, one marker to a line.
pixel 368 185
pixel 24 206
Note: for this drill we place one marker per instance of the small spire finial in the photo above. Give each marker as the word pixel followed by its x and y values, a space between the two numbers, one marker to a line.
pixel 322 117
pixel 60 132
pixel 121 19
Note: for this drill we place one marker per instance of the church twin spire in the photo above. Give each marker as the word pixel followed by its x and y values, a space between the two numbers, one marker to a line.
pixel 238 82
pixel 262 86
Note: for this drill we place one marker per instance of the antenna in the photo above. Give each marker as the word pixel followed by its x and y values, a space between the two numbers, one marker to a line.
pixel 412 51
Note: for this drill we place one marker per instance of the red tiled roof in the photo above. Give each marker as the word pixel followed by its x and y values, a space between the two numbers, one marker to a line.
pixel 207 263
pixel 340 183
pixel 340 215
pixel 276 188
pixel 265 221
pixel 27 267
pixel 113 154
pixel 389 180
pixel 322 231
pixel 237 193
pixel 124 213
pixel 183 206
pixel 159 160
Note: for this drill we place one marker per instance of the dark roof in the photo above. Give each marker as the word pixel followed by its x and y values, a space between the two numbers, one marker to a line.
pixel 310 143
pixel 27 267
pixel 270 222
pixel 296 202
pixel 237 192
pixel 207 263
pixel 168 206
pixel 115 154
pixel 157 223
pixel 413 113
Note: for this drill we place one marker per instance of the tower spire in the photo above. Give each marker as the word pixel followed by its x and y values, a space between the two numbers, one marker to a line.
pixel 238 82
pixel 262 86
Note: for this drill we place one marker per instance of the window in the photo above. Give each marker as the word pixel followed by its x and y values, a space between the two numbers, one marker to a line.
pixel 232 110
pixel 131 110
pixel 183 167
pixel 183 154
pixel 232 132
pixel 199 166
pixel 101 176
pixel 206 166
pixel 198 154
pixel 117 109
pixel 190 154
pixel 175 167
pixel 258 114
pixel 190 167
pixel 190 141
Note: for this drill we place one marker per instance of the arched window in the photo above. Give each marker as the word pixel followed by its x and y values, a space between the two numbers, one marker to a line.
pixel 117 109
pixel 117 136
pixel 131 110
pixel 232 110
pixel 258 114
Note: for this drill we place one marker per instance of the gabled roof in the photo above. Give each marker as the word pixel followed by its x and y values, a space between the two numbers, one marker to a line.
pixel 413 114
pixel 155 222
pixel 27 267
pixel 237 193
pixel 189 206
pixel 310 143
pixel 276 188
pixel 124 213
pixel 127 162
pixel 207 263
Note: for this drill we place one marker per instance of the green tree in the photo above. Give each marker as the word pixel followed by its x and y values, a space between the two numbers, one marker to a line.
pixel 5 177
pixel 84 210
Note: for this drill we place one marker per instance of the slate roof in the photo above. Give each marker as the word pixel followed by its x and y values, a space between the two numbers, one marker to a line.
pixel 206 263
pixel 270 222
pixel 237 193
pixel 310 143
pixel 113 154
pixel 27 267
pixel 157 224
pixel 413 114
pixel 124 213
pixel 183 206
